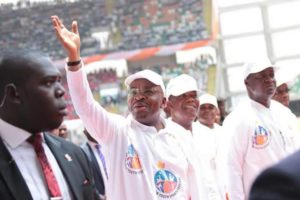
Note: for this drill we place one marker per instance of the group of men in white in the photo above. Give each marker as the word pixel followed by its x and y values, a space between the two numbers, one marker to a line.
pixel 187 155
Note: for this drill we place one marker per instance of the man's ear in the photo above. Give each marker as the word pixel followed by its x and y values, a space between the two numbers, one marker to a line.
pixel 164 103
pixel 169 104
pixel 246 82
pixel 12 93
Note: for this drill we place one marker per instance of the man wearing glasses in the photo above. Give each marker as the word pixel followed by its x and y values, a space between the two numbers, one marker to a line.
pixel 146 157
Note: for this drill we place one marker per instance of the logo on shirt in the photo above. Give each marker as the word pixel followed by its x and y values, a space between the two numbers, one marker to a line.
pixel 261 137
pixel 132 161
pixel 166 182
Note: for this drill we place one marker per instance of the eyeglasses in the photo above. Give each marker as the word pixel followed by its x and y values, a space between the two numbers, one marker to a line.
pixel 147 92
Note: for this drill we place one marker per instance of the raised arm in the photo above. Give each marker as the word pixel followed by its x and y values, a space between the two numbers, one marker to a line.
pixel 95 118
pixel 70 40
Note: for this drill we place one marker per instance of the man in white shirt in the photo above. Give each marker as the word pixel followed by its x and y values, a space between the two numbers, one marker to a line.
pixel 182 94
pixel 258 133
pixel 146 159
pixel 32 103
pixel 208 136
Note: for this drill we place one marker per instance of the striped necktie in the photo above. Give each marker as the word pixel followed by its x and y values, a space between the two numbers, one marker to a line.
pixel 98 148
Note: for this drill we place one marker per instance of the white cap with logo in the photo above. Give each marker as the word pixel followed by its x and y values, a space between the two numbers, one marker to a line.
pixel 150 75
pixel 180 85
pixel 208 99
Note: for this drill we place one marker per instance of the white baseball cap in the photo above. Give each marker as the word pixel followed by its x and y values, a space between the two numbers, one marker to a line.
pixel 180 85
pixel 256 66
pixel 281 79
pixel 285 75
pixel 150 75
pixel 208 99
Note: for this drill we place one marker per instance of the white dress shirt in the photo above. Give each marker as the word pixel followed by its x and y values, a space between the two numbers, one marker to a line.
pixel 15 139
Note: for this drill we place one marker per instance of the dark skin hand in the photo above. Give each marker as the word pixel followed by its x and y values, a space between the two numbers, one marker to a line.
pixel 70 40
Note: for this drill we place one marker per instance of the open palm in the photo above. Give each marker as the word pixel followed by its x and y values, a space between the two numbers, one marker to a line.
pixel 69 39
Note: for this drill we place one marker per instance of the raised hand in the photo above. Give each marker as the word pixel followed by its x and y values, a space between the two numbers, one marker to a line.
pixel 69 39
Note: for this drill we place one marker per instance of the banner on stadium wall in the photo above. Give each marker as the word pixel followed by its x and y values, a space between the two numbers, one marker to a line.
pixel 142 54
pixel 120 66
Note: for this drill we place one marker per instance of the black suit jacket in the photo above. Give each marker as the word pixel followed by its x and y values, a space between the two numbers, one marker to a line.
pixel 279 182
pixel 76 172
pixel 96 171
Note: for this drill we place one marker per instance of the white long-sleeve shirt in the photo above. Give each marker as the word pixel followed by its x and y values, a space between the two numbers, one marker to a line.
pixel 293 125
pixel 208 142
pixel 259 137
pixel 143 163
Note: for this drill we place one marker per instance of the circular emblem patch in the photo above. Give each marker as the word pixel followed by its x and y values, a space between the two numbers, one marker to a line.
pixel 132 160
pixel 261 137
pixel 166 183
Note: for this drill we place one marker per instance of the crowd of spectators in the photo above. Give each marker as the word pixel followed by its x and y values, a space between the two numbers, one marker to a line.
pixel 28 27
pixel 140 25
pixel 157 22
pixel 197 69
pixel 97 81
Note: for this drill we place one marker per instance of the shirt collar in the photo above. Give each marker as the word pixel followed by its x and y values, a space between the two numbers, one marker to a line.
pixel 13 135
pixel 92 144
pixel 258 105
pixel 142 127
pixel 174 127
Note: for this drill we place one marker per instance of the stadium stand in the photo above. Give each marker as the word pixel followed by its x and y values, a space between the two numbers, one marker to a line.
pixel 143 24
pixel 150 22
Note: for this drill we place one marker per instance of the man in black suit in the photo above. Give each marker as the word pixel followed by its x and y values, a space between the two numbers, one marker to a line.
pixel 279 182
pixel 32 103
pixel 97 162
